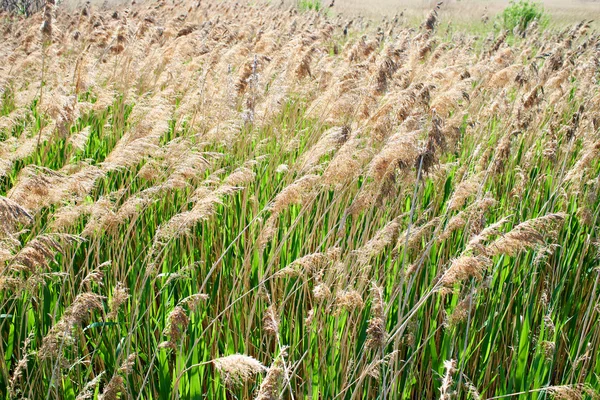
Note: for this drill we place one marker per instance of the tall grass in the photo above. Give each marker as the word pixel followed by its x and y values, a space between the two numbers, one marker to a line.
pixel 241 201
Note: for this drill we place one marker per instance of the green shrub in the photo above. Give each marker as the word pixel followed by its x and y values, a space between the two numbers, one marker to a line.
pixel 308 5
pixel 519 14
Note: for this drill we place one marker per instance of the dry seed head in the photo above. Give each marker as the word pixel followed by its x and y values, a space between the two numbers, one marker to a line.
pixel 461 312
pixel 178 321
pixel 206 202
pixel 88 390
pixel 268 231
pixel 447 380
pixel 464 190
pixel 127 365
pixel 179 225
pixel 194 300
pixel 84 303
pixel 270 388
pixel 329 141
pixel 549 349
pixel 39 187
pixel 244 77
pixel 503 152
pixel 413 237
pixel 61 334
pixel 6 251
pixel 119 297
pixel 46 27
pixel 321 291
pixel 572 392
pixel 544 253
pixel 303 68
pixel 80 139
pixel 380 240
pixel 21 366
pixel 282 168
pixel 310 316
pixel 271 321
pixel 590 153
pixel 287 271
pixel 376 331
pixel 456 222
pixel 238 369
pixel 96 275
pixel 67 216
pixel 463 268
pixel 12 213
pixel 526 235
pixel 347 164
pixel 310 264
pixel 476 242
pixel 401 151
pixel 430 22
pixel 15 285
pixel 349 299
pixel 37 253
pixel 239 177
pixel 475 395
pixel 112 389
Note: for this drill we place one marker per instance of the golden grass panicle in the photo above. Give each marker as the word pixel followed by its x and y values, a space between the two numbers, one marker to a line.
pixel 578 391
pixel 20 367
pixel 271 321
pixel 12 213
pixel 476 243
pixel 46 28
pixel 272 384
pixel 299 192
pixel 461 311
pixel 61 334
pixel 376 330
pixel 119 297
pixel 526 235
pixel 37 254
pixel 387 235
pixel 238 369
pixel 116 385
pixel 348 299
pixel 463 268
pixel 178 322
pixel 464 190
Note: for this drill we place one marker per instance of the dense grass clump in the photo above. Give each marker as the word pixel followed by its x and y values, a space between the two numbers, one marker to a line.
pixel 519 14
pixel 310 5
pixel 223 200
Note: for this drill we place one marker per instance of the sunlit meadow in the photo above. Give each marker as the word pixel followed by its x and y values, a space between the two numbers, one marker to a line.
pixel 250 200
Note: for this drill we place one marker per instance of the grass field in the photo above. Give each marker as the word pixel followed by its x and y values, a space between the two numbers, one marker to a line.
pixel 228 200
pixel 562 11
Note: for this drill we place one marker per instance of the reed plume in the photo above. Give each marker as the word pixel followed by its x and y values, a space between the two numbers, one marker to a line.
pixel 376 331
pixel 447 380
pixel 88 390
pixel 526 235
pixel 238 369
pixel 61 335
pixel 463 268
pixel 271 386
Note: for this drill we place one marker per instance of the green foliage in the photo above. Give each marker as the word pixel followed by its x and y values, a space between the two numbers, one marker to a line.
pixel 7 101
pixel 310 5
pixel 519 14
